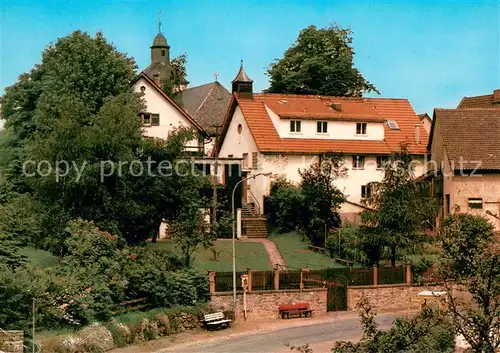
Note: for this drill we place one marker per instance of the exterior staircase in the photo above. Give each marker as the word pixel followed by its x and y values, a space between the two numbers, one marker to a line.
pixel 253 224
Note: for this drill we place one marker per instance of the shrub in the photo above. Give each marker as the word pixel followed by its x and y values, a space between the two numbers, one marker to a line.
pixel 283 206
pixel 357 244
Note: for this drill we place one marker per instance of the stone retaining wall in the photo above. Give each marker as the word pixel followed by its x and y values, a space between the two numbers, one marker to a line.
pixel 11 341
pixel 264 304
pixel 391 297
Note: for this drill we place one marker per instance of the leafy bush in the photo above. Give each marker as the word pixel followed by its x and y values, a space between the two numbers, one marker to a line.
pixel 283 206
pixel 18 288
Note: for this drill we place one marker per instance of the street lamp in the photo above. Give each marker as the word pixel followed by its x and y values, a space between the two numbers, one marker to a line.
pixel 234 237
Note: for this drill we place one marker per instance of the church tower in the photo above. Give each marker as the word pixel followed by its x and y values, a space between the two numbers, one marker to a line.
pixel 242 84
pixel 160 70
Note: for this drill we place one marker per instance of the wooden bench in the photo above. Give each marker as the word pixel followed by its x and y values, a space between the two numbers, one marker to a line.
pixel 343 261
pixel 215 321
pixel 316 248
pixel 296 309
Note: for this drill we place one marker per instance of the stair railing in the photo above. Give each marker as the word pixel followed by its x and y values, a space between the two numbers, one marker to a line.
pixel 255 202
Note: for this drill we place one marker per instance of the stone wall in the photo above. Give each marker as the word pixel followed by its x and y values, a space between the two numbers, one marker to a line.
pixel 264 304
pixel 11 341
pixel 391 297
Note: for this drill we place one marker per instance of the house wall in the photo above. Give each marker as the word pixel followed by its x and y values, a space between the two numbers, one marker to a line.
pixel 170 117
pixel 486 186
pixel 289 165
pixel 236 144
pixel 341 130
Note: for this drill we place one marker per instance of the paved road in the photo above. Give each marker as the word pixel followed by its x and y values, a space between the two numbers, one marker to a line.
pixel 319 336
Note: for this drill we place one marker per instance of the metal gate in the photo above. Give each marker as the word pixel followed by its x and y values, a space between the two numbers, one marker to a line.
pixel 336 295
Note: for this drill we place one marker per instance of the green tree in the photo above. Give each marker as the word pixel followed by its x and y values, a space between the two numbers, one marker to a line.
pixel 425 332
pixel 397 206
pixel 320 62
pixel 321 198
pixel 77 112
pixel 188 227
pixel 283 206
pixel 471 270
pixel 178 65
pixel 9 254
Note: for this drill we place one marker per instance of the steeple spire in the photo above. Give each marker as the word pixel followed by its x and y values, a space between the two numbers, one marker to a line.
pixel 242 83
pixel 242 75
pixel 159 20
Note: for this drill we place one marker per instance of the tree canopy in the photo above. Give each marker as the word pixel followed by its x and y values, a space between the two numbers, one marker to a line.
pixel 398 209
pixel 320 62
pixel 470 268
pixel 74 147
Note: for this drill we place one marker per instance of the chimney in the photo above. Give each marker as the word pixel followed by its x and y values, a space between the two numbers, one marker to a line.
pixel 417 134
pixel 496 96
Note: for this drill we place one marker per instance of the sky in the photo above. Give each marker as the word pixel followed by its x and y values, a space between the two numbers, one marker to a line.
pixel 431 52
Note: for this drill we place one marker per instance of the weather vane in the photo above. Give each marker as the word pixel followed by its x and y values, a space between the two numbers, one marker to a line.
pixel 159 20
pixel 216 74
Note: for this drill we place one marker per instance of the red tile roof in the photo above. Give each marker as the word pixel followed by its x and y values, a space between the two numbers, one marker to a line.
pixel 267 138
pixel 485 101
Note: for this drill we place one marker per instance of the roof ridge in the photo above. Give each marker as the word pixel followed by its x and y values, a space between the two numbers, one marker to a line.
pixel 204 100
pixel 205 84
pixel 294 95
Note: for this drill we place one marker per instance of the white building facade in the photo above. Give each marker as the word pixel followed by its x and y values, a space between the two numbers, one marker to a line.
pixel 282 134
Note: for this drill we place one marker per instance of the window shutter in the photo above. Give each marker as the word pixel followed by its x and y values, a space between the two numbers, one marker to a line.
pixel 255 160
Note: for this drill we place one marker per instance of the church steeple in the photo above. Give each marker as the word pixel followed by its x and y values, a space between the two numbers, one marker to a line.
pixel 242 84
pixel 160 50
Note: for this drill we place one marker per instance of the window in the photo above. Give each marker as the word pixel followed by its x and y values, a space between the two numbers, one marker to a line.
pixel 476 203
pixel 358 162
pixel 295 126
pixel 155 119
pixel 322 127
pixel 448 208
pixel 145 119
pixel 365 191
pixel 245 160
pixel 255 160
pixel 163 52
pixel 156 79
pixel 360 128
pixel 382 161
pixel 393 125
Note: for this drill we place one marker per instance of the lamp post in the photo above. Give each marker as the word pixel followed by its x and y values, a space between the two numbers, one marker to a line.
pixel 234 235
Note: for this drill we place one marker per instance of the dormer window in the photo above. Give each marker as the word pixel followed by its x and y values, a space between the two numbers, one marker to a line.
pixel 360 128
pixel 295 126
pixel 322 127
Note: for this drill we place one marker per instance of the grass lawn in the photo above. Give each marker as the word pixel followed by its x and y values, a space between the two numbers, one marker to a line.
pixel 39 258
pixel 248 255
pixel 296 253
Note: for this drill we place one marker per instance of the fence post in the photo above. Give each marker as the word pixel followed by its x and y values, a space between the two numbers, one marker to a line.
pixel 276 279
pixel 250 277
pixel 375 275
pixel 408 274
pixel 211 278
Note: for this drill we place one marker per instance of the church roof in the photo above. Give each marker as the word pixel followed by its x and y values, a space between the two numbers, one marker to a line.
pixel 242 75
pixel 160 41
pixel 207 104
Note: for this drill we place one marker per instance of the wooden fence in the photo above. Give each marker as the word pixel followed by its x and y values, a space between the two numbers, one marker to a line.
pixel 306 278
